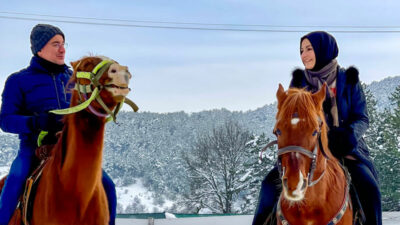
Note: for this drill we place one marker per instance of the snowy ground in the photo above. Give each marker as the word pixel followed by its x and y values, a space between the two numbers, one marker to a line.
pixel 137 193
pixel 126 197
pixel 389 218
pixel 3 170
pixel 216 220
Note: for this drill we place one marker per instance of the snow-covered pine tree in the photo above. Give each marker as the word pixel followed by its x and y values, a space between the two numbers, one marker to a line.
pixel 383 141
pixel 390 182
pixel 255 170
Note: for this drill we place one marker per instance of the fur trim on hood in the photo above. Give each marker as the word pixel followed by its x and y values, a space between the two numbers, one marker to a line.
pixel 351 76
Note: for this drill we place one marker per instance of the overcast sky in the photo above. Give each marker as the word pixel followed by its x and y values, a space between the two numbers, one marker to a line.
pixel 194 70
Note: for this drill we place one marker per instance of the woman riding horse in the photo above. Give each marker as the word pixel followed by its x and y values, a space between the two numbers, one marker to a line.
pixel 347 119
pixel 314 185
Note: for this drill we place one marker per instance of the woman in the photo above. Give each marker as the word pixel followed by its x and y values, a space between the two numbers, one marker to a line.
pixel 347 119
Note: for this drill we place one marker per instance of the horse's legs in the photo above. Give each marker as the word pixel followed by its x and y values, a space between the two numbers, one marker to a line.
pixel 367 190
pixel 109 187
pixel 269 195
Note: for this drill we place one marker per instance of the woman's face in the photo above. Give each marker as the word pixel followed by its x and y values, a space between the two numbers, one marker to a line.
pixel 307 54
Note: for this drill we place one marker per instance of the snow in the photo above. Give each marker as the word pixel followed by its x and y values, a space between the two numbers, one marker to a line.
pixel 245 176
pixel 170 216
pixel 3 171
pixel 215 220
pixel 389 218
pixel 126 196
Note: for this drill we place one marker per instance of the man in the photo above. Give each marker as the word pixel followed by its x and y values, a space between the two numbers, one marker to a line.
pixel 27 97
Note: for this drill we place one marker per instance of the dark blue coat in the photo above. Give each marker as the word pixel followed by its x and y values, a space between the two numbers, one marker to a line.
pixel 352 109
pixel 29 92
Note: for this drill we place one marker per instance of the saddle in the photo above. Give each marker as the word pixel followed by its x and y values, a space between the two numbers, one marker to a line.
pixel 26 203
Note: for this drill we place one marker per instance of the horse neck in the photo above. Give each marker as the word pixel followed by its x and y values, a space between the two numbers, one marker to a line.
pixel 82 150
pixel 325 197
pixel 332 186
pixel 334 177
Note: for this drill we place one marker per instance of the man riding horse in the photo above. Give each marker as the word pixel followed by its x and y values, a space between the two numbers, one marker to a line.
pixel 27 98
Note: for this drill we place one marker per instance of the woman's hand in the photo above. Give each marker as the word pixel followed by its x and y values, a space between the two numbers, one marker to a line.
pixel 341 141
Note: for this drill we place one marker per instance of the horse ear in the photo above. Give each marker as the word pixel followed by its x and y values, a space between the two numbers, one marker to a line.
pixel 319 97
pixel 281 95
pixel 75 64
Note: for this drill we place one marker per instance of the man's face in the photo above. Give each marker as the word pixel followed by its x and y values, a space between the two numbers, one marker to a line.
pixel 54 50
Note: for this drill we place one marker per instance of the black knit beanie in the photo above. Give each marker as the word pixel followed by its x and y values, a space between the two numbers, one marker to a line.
pixel 41 34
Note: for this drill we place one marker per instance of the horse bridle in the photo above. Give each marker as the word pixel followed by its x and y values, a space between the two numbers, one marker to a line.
pixel 299 149
pixel 82 90
pixel 312 155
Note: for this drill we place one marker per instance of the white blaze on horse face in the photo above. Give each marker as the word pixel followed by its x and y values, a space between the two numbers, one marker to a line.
pixel 120 77
pixel 294 121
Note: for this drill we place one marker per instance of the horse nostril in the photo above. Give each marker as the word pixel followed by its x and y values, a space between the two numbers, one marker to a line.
pixel 285 183
pixel 304 184
pixel 127 77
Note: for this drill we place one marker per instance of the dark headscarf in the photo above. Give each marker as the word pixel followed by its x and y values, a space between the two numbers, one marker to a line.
pixel 325 48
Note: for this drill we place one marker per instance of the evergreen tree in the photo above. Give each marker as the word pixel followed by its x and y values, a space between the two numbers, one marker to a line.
pixel 255 170
pixel 374 135
pixel 390 185
pixel 395 118
pixel 383 140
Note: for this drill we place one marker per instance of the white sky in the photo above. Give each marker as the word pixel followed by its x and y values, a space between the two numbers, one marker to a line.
pixel 194 70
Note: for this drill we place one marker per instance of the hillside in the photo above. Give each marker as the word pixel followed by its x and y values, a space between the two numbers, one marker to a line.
pixel 148 146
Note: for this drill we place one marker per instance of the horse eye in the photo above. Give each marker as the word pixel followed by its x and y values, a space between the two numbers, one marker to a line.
pixel 113 71
pixel 315 133
pixel 277 132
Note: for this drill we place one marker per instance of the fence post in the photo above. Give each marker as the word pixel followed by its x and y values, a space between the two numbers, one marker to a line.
pixel 151 221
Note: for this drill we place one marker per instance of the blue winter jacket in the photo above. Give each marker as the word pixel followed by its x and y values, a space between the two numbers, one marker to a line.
pixel 352 108
pixel 29 92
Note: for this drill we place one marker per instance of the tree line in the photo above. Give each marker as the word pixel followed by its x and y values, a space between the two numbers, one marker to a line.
pixel 225 170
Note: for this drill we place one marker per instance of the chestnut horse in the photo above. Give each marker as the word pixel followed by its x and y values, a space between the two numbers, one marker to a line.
pixel 70 190
pixel 315 186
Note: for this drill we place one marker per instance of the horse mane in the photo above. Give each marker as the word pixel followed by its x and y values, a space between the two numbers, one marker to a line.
pixel 300 102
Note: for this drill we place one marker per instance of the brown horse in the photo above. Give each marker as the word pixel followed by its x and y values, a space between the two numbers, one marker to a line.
pixel 315 188
pixel 70 189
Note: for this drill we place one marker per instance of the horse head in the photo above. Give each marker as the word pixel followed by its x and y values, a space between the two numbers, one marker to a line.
pixel 300 131
pixel 101 79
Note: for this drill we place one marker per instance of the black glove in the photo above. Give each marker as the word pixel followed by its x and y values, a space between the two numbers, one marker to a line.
pixel 341 141
pixel 48 122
